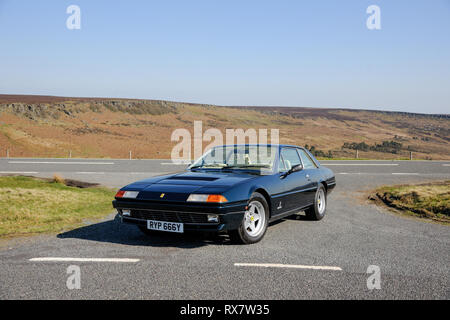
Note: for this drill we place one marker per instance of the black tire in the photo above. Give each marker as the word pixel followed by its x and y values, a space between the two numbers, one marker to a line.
pixel 316 212
pixel 242 235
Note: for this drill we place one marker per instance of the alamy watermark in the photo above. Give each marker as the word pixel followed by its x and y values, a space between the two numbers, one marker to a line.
pixel 189 145
pixel 74 279
pixel 374 280
pixel 374 20
pixel 73 22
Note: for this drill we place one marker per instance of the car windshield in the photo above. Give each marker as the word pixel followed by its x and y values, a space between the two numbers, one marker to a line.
pixel 260 158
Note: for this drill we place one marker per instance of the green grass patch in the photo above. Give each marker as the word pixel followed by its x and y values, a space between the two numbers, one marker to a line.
pixel 428 200
pixel 30 205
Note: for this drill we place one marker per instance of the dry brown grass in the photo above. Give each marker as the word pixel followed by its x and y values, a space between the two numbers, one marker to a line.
pixel 58 179
pixel 428 200
pixel 101 132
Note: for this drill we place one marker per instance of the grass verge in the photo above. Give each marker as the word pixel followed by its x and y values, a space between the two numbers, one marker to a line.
pixel 428 200
pixel 31 205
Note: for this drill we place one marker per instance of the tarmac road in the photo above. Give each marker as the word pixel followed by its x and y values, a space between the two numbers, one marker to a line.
pixel 313 260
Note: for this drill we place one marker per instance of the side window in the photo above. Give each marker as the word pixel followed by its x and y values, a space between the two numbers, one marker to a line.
pixel 308 163
pixel 281 166
pixel 290 157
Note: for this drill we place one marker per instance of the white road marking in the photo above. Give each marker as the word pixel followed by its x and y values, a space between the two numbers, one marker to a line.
pixel 395 173
pixel 406 173
pixel 53 259
pixel 360 164
pixel 174 164
pixel 291 266
pixel 57 162
pixel 358 173
pixel 18 172
pixel 90 173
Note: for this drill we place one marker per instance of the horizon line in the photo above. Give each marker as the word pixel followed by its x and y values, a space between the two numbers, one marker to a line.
pixel 65 98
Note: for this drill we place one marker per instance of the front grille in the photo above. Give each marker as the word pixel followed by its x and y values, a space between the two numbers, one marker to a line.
pixel 181 217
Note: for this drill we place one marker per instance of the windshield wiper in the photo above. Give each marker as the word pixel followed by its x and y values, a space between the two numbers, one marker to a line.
pixel 247 166
pixel 223 166
pixel 210 165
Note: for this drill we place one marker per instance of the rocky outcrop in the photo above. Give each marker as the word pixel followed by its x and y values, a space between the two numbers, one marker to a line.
pixel 37 111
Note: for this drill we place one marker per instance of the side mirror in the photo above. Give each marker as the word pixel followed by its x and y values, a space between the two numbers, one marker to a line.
pixel 297 167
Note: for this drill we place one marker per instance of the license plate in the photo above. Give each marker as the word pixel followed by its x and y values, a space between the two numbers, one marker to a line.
pixel 165 226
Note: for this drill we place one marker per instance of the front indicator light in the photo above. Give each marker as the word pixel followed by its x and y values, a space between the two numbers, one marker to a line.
pixel 216 198
pixel 211 198
pixel 119 194
pixel 127 194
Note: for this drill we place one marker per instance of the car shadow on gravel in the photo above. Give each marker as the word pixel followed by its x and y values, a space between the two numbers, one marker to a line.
pixel 113 231
pixel 295 217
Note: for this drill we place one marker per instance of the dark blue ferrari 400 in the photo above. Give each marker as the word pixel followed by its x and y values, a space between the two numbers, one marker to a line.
pixel 236 189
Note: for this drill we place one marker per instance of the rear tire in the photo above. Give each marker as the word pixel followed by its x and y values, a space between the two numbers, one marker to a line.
pixel 254 223
pixel 317 211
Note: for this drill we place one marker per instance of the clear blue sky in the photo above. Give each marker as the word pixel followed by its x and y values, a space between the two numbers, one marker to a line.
pixel 292 53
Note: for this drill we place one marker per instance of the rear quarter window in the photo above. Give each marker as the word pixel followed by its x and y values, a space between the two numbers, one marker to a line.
pixel 308 162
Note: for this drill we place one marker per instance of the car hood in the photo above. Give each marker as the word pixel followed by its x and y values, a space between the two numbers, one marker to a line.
pixel 177 187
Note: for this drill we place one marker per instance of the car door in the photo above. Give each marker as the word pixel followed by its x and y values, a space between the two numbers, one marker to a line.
pixel 312 175
pixel 294 184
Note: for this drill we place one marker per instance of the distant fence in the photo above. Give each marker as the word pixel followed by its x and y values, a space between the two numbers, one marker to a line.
pixel 9 153
pixel 132 155
pixel 400 155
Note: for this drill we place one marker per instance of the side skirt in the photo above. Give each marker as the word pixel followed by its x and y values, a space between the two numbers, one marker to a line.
pixel 287 213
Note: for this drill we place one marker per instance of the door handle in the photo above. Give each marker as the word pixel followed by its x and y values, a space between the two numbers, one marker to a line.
pixel 307 176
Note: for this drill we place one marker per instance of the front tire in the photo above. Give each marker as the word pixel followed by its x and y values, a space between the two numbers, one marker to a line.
pixel 318 209
pixel 254 224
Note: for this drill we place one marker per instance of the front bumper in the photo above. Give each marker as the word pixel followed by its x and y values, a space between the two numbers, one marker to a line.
pixel 194 217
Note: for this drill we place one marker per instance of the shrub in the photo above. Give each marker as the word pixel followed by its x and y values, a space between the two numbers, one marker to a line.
pixel 58 179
